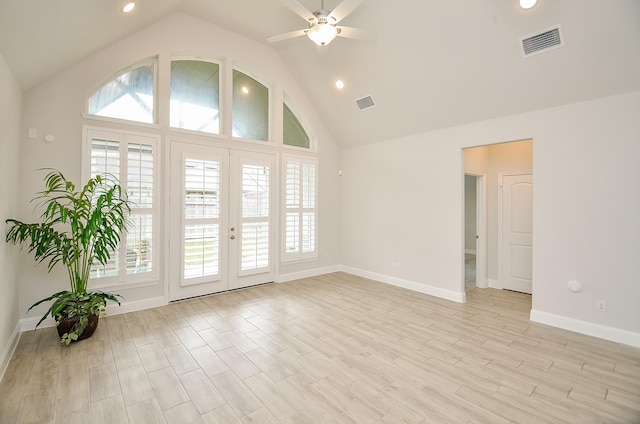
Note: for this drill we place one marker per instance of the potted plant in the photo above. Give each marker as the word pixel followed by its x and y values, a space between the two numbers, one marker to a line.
pixel 78 229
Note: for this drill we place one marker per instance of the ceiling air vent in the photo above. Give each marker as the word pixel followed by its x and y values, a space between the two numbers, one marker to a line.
pixel 365 103
pixel 542 42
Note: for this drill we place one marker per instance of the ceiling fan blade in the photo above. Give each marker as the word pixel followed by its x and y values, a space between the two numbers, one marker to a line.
pixel 299 9
pixel 343 9
pixel 287 35
pixel 356 34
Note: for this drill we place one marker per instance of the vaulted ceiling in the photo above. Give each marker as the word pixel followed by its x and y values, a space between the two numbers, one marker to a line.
pixel 434 63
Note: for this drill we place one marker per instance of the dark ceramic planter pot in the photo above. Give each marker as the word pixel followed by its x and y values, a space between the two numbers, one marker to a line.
pixel 67 324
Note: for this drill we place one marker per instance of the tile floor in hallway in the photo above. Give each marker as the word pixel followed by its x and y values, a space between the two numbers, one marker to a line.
pixel 330 349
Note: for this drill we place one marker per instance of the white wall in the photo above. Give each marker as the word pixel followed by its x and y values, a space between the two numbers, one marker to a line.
pixel 402 201
pixel 55 108
pixel 10 109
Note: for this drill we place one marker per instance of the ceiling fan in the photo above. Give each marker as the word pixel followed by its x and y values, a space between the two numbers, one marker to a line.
pixel 323 23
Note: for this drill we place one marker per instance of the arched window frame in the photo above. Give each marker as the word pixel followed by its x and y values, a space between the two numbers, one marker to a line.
pixel 149 61
pixel 221 96
pixel 313 144
pixel 270 109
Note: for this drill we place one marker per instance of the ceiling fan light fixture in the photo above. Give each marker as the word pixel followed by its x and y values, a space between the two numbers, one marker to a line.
pixel 527 4
pixel 322 33
pixel 128 6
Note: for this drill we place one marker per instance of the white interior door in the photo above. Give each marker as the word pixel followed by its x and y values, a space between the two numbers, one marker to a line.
pixel 221 223
pixel 517 232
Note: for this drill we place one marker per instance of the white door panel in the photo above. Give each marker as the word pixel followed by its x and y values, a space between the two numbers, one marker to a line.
pixel 251 232
pixel 198 217
pixel 517 232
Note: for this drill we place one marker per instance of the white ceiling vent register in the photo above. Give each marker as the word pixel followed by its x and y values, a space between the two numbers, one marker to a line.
pixel 541 42
pixel 365 103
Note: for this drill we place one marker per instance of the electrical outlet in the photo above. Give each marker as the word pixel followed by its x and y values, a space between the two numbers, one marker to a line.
pixel 601 305
pixel 395 265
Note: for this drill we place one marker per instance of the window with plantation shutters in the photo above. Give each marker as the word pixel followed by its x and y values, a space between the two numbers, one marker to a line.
pixel 300 208
pixel 130 158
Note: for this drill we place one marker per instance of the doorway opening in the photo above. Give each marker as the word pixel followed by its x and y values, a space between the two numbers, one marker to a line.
pixel 484 172
pixel 474 232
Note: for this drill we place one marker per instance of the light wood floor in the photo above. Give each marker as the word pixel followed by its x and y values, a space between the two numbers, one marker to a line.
pixel 331 349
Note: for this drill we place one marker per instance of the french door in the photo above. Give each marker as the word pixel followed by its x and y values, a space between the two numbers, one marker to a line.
pixel 221 219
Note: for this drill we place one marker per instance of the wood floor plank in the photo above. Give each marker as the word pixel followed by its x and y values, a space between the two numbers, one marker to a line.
pixel 236 393
pixel 146 412
pixel 109 411
pixel 204 395
pixel 167 387
pixel 335 348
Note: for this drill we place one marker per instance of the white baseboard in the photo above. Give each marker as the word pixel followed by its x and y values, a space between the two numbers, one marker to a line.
pixel 27 324
pixel 494 284
pixel 584 327
pixel 410 285
pixel 283 278
pixel 7 352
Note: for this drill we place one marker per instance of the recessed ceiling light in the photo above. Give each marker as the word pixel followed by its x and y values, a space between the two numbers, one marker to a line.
pixel 245 90
pixel 128 6
pixel 527 4
pixel 339 84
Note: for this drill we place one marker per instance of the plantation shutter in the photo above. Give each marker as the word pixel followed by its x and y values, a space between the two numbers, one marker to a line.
pixel 300 208
pixel 202 220
pixel 130 159
pixel 255 217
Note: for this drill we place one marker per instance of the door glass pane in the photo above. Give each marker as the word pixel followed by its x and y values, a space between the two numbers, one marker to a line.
pixel 201 214
pixel 201 250
pixel 250 108
pixel 202 189
pixel 255 191
pixel 255 245
pixel 195 95
pixel 255 215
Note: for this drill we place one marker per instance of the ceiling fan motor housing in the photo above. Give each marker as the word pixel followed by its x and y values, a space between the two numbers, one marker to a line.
pixel 322 17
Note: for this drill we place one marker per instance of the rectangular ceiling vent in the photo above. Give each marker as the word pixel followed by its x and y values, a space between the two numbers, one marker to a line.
pixel 365 103
pixel 542 42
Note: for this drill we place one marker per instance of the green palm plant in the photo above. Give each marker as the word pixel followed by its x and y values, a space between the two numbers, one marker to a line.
pixel 78 229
